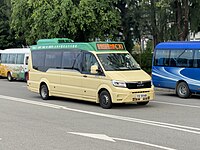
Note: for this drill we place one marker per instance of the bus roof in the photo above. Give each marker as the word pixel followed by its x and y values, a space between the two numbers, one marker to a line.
pixel 16 50
pixel 65 43
pixel 179 45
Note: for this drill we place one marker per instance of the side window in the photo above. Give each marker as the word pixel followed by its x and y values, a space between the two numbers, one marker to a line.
pixel 70 60
pixel 38 60
pixel 88 60
pixel 197 59
pixel 182 58
pixel 161 58
pixel 12 58
pixel 53 59
pixel 4 58
pixel 78 62
pixel 20 59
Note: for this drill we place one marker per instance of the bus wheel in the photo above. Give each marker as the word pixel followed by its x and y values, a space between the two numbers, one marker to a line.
pixel 182 90
pixel 143 103
pixel 9 77
pixel 44 92
pixel 105 99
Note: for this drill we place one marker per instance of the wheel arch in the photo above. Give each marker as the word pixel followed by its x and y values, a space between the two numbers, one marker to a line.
pixel 179 81
pixel 102 88
pixel 46 83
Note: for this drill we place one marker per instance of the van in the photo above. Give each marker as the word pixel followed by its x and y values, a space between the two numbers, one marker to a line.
pixel 101 72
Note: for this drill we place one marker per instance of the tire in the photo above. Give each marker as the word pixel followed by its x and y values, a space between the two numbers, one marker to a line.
pixel 182 90
pixel 9 76
pixel 143 103
pixel 105 100
pixel 44 92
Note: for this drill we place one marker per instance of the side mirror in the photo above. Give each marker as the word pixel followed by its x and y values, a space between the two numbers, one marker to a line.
pixel 94 69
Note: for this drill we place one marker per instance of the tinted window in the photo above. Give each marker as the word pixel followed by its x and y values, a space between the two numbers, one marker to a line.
pixel 78 62
pixel 20 59
pixel 197 58
pixel 161 58
pixel 38 59
pixel 181 58
pixel 53 59
pixel 69 59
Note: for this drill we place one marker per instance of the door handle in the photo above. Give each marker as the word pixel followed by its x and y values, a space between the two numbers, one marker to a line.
pixel 85 76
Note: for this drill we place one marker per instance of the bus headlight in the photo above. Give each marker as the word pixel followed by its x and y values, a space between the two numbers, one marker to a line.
pixel 118 83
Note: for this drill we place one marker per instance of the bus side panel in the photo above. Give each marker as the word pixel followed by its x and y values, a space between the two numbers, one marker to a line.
pixel 167 77
pixel 163 77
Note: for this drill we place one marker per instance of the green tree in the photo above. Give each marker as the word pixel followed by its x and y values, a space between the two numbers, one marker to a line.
pixel 6 38
pixel 33 20
pixel 97 19
pixel 130 12
pixel 21 20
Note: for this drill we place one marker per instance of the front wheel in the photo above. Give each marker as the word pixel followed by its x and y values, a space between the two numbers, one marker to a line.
pixel 44 92
pixel 105 99
pixel 143 103
pixel 182 90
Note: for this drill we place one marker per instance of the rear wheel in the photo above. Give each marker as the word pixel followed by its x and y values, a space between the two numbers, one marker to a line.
pixel 182 90
pixel 105 99
pixel 44 92
pixel 9 76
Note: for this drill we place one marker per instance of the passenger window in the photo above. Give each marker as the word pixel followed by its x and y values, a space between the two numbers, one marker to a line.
pixel 70 60
pixel 197 59
pixel 53 59
pixel 4 58
pixel 20 59
pixel 182 58
pixel 12 59
pixel 161 58
pixel 38 59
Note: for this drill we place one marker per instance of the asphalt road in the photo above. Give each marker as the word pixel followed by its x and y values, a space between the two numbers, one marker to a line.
pixel 29 123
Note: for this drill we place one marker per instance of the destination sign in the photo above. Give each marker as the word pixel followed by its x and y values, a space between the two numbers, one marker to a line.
pixel 110 46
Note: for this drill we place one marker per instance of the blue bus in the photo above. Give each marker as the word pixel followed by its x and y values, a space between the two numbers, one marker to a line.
pixel 176 65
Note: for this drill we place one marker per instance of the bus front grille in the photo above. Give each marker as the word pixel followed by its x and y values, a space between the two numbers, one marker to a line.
pixel 138 85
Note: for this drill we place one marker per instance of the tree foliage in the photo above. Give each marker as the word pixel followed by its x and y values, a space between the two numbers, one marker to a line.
pixel 6 38
pixel 88 20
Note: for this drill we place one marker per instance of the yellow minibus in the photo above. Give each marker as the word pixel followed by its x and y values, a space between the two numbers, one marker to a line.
pixel 101 72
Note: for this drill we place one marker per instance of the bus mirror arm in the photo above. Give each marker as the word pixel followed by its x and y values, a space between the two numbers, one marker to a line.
pixel 99 71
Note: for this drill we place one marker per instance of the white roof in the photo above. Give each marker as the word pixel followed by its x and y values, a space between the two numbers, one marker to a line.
pixel 16 50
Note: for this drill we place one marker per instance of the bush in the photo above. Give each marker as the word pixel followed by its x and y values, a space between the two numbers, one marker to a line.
pixel 145 58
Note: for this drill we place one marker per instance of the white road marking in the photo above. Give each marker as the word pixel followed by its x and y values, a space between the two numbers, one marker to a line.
pixel 96 136
pixel 176 104
pixel 144 143
pixel 129 119
pixel 112 139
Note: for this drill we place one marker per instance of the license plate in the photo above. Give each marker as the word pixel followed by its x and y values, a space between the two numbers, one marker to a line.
pixel 141 95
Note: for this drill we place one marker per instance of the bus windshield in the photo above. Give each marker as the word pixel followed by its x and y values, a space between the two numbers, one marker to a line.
pixel 118 61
